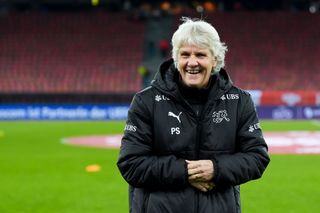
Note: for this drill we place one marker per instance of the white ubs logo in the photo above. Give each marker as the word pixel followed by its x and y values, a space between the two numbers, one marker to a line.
pixel 161 98
pixel 254 127
pixel 230 97
pixel 130 127
pixel 175 116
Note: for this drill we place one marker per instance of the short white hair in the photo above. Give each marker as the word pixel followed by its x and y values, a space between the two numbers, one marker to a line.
pixel 202 34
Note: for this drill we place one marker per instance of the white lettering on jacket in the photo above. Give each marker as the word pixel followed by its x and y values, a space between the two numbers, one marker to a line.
pixel 254 127
pixel 159 98
pixel 230 97
pixel 175 130
pixel 130 128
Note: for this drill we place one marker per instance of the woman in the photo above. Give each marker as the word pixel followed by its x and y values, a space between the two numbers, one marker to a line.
pixel 192 137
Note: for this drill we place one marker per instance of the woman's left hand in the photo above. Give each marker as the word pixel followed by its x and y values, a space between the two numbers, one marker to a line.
pixel 200 170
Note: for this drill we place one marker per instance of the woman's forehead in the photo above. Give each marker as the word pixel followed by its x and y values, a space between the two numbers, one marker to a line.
pixel 193 47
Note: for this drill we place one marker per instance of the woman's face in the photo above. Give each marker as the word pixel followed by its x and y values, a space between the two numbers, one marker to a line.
pixel 195 65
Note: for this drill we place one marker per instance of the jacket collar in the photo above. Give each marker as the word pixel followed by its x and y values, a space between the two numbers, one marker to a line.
pixel 166 80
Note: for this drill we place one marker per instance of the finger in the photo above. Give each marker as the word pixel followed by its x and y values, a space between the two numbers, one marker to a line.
pixel 193 171
pixel 193 177
pixel 211 185
pixel 205 185
pixel 210 188
pixel 196 177
pixel 203 189
pixel 200 187
pixel 192 165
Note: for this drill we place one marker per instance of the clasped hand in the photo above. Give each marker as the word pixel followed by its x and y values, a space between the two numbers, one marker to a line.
pixel 200 174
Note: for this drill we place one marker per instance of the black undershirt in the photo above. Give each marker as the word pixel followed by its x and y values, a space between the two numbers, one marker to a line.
pixel 194 96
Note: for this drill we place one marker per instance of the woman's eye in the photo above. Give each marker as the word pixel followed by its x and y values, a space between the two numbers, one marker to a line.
pixel 184 55
pixel 201 55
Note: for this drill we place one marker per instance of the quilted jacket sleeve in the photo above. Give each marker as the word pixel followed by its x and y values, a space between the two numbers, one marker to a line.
pixel 137 162
pixel 251 157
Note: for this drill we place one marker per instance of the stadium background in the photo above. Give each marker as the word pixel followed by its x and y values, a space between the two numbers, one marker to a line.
pixel 69 68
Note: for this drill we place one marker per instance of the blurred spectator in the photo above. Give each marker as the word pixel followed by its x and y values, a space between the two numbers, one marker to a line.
pixel 145 75
pixel 164 47
pixel 209 6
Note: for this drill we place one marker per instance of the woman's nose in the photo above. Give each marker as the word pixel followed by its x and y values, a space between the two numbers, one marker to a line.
pixel 192 61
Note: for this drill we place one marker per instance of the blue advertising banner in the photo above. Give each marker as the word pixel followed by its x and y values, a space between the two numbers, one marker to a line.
pixel 119 112
pixel 63 112
pixel 288 113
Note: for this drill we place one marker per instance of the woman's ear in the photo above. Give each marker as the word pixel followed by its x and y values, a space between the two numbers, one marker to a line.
pixel 214 63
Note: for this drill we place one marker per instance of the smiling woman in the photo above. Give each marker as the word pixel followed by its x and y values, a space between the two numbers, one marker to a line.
pixel 191 150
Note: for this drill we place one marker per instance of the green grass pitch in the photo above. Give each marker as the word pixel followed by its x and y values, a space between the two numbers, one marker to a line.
pixel 40 174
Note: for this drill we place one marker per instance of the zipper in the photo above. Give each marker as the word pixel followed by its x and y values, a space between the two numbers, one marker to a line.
pixel 198 140
pixel 197 149
pixel 199 118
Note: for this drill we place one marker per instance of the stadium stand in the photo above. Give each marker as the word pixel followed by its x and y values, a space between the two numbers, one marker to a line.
pixel 271 51
pixel 86 52
pixel 69 52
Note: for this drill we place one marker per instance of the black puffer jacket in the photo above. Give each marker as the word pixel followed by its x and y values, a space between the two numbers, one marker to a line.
pixel 162 131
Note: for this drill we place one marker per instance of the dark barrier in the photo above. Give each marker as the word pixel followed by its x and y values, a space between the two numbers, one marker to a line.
pixel 62 98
